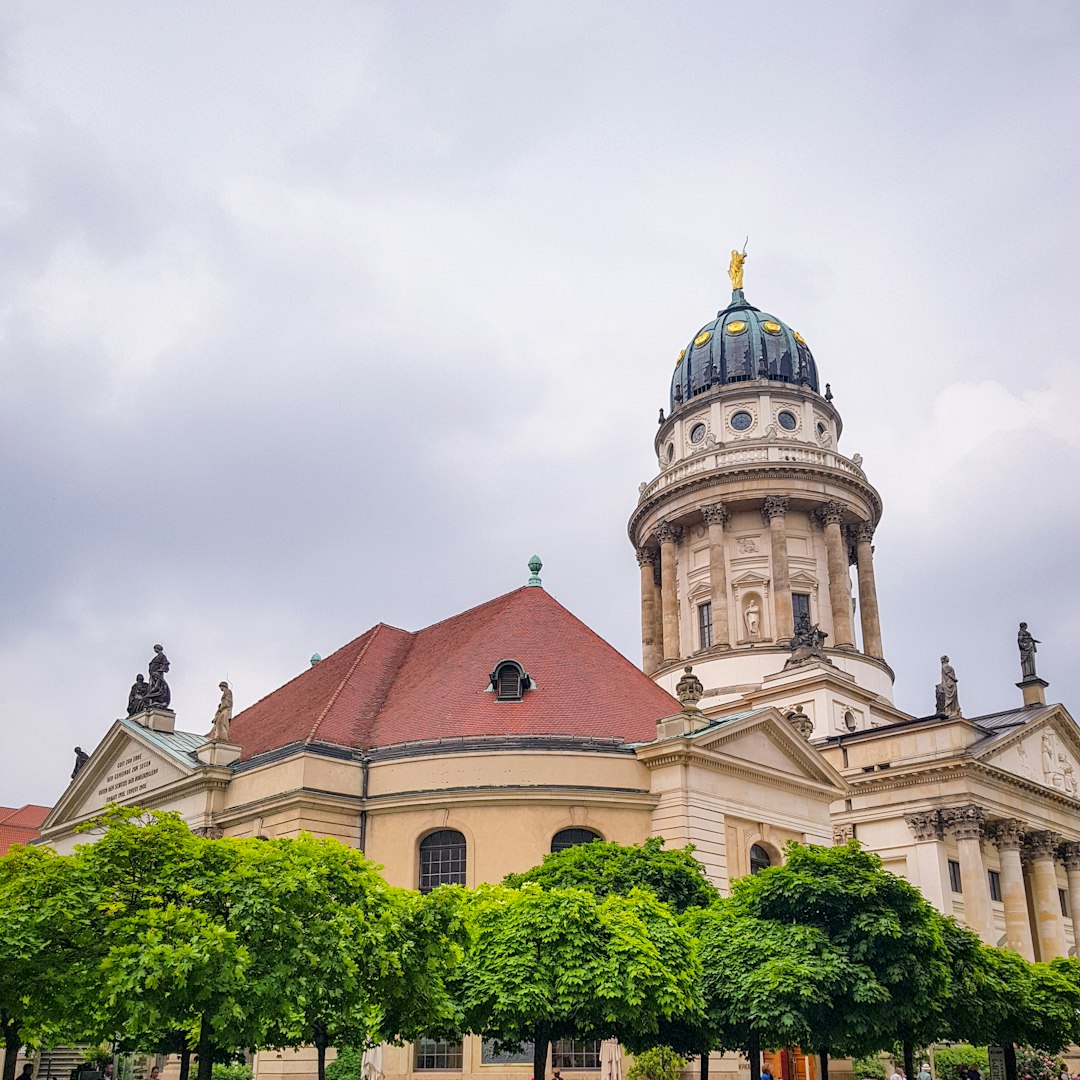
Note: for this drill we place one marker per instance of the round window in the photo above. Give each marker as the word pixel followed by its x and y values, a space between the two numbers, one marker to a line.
pixel 697 433
pixel 788 421
pixel 741 420
pixel 670 451
pixel 821 428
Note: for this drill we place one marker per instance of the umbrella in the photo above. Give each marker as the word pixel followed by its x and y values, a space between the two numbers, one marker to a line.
pixel 610 1060
pixel 371 1063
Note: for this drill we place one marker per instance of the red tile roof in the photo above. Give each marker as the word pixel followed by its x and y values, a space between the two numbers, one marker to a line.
pixel 20 825
pixel 390 686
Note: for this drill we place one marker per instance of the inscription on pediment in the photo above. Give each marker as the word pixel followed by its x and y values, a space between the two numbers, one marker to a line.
pixel 133 773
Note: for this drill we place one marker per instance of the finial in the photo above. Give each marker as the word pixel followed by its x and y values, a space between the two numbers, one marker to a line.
pixel 535 566
pixel 315 658
pixel 828 392
pixel 735 270
pixel 689 689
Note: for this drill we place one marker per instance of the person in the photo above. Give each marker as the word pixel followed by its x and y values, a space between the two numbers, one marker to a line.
pixel 975 1073
pixel 962 1073
pixel 155 1073
pixel 27 1072
pixel 898 1073
pixel 556 1074
pixel 766 1073
pixel 925 1073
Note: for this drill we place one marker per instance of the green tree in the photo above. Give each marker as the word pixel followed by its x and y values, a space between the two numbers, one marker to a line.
pixel 554 964
pixel 615 869
pixel 46 949
pixel 657 1063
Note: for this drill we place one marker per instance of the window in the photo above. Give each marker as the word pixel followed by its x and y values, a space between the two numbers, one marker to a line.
pixel 1063 900
pixel 437 1054
pixel 567 838
pixel 490 1054
pixel 509 681
pixel 442 861
pixel 954 876
pixel 575 1054
pixel 995 885
pixel 704 619
pixel 759 859
pixel 800 606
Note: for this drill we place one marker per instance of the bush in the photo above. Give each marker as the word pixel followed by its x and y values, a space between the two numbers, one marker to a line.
pixel 657 1063
pixel 1037 1064
pixel 239 1071
pixel 948 1059
pixel 346 1066
pixel 871 1067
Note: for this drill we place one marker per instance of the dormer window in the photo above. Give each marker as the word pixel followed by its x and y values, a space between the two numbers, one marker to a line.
pixel 509 681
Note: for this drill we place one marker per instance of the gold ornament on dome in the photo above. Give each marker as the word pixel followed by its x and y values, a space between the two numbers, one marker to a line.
pixel 702 338
pixel 772 327
pixel 799 338
pixel 682 353
pixel 735 327
pixel 735 270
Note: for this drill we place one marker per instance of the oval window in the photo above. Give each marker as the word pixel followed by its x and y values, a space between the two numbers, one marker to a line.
pixel 697 433
pixel 670 451
pixel 788 421
pixel 741 420
pixel 821 428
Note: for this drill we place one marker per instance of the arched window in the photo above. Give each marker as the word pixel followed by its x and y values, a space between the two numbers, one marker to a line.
pixel 509 681
pixel 442 859
pixel 565 838
pixel 760 859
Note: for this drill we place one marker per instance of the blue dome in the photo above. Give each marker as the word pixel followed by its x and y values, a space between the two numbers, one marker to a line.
pixel 740 344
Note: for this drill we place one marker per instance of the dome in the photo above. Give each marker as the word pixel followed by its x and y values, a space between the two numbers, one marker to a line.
pixel 740 344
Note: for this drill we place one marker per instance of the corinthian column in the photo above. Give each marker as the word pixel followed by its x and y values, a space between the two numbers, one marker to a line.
pixel 966 824
pixel 868 606
pixel 1007 836
pixel 1071 851
pixel 832 514
pixel 716 517
pixel 1050 925
pixel 649 659
pixel 773 514
pixel 668 535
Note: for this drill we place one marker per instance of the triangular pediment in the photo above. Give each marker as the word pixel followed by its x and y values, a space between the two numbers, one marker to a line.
pixel 1045 751
pixel 129 764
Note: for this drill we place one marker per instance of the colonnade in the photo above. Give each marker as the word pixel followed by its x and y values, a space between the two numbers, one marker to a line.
pixel 1028 860
pixel 660 628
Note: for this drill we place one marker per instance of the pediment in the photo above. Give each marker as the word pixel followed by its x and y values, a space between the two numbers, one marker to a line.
pixel 749 577
pixel 128 764
pixel 1046 752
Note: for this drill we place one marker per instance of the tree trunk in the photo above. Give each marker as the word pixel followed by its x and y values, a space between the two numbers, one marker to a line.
pixel 205 1050
pixel 703 1065
pixel 12 1042
pixel 185 1062
pixel 1010 1059
pixel 540 1053
pixel 909 1060
pixel 824 1058
pixel 320 1047
pixel 753 1052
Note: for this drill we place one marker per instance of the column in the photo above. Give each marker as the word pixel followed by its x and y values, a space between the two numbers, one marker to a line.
pixel 966 824
pixel 1071 851
pixel 832 514
pixel 1007 836
pixel 716 517
pixel 658 612
pixel 929 860
pixel 773 514
pixel 1050 925
pixel 668 535
pixel 649 660
pixel 868 606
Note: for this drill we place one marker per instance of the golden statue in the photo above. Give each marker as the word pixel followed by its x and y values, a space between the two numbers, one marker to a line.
pixel 735 269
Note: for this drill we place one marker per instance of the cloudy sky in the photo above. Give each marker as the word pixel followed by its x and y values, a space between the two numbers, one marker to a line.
pixel 315 315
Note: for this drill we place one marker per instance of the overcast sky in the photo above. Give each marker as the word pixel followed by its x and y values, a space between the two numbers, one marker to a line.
pixel 315 315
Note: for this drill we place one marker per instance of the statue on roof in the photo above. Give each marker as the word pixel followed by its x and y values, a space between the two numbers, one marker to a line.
pixel 137 698
pixel 807 642
pixel 947 692
pixel 735 270
pixel 1026 643
pixel 689 689
pixel 223 716
pixel 81 758
pixel 158 695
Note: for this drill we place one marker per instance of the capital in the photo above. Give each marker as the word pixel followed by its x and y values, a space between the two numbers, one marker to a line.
pixel 1007 834
pixel 645 556
pixel 716 514
pixel 1070 854
pixel 667 534
pixel 864 532
pixel 774 506
pixel 830 513
pixel 964 822
pixel 925 825
pixel 1042 844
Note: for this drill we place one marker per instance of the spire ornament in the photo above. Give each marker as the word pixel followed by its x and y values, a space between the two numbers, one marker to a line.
pixel 735 270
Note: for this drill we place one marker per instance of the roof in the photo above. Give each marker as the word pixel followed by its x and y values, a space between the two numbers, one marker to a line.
pixel 180 745
pixel 21 825
pixel 996 723
pixel 392 686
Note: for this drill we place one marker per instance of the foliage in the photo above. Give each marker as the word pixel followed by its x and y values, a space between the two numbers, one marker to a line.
pixel 949 1059
pixel 346 1066
pixel 236 1071
pixel 565 963
pixel 657 1063
pixel 1037 1064
pixel 674 875
pixel 869 1067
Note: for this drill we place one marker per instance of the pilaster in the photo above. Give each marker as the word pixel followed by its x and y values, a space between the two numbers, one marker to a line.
pixel 773 513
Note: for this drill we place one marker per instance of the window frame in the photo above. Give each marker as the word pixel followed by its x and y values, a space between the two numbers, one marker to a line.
pixel 446 869
pixel 705 625
pixel 993 879
pixel 565 1054
pixel 756 865
pixel 1063 903
pixel 434 1049
pixel 956 882
pixel 593 836
pixel 795 608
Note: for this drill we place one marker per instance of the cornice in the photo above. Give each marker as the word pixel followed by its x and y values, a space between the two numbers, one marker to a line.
pixel 508 794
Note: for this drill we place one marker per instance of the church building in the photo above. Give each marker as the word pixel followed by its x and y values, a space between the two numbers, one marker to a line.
pixel 763 711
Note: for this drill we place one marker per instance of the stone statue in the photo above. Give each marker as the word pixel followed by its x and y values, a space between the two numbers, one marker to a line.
pixel 158 696
pixel 807 642
pixel 137 697
pixel 223 716
pixel 735 270
pixel 81 758
pixel 948 694
pixel 661 416
pixel 801 722
pixel 1026 644
pixel 752 615
pixel 689 689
